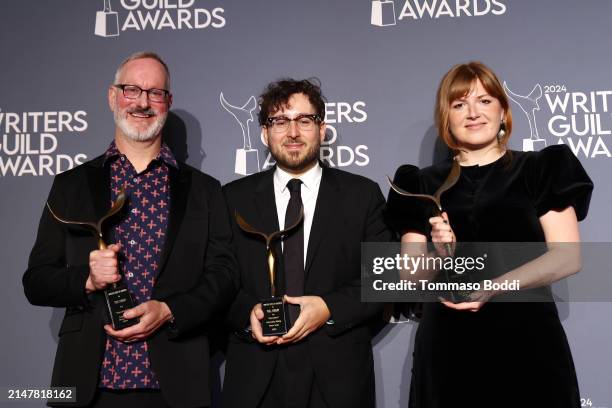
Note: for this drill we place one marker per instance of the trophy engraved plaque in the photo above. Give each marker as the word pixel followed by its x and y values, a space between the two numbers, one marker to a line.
pixel 451 180
pixel 117 295
pixel 276 316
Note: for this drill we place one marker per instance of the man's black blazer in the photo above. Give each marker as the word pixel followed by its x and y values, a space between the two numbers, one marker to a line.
pixel 348 211
pixel 194 279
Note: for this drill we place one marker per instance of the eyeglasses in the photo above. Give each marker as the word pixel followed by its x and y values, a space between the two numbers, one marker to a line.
pixel 280 124
pixel 133 92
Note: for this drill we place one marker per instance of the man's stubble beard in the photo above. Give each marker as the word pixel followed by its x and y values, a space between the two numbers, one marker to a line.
pixel 290 160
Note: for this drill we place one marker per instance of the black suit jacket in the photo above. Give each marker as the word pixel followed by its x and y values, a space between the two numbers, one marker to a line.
pixel 348 211
pixel 194 279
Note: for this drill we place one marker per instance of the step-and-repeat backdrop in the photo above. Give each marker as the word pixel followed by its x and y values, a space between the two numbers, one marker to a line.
pixel 379 63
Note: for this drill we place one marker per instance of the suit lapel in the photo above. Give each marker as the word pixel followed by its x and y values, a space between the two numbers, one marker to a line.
pixel 98 180
pixel 325 209
pixel 180 183
pixel 265 203
pixel 267 221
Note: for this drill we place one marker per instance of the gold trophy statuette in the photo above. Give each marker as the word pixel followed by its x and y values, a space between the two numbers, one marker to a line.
pixel 276 317
pixel 117 295
pixel 451 180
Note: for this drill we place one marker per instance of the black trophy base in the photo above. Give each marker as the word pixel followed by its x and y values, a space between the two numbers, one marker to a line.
pixel 276 317
pixel 118 300
pixel 459 296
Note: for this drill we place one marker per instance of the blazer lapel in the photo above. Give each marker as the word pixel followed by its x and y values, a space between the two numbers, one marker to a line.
pixel 265 203
pixel 267 221
pixel 180 183
pixel 98 204
pixel 98 177
pixel 325 208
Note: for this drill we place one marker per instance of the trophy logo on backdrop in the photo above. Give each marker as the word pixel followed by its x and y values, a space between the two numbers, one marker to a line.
pixel 579 119
pixel 529 104
pixel 340 118
pixel 383 13
pixel 107 21
pixel 156 15
pixel 247 157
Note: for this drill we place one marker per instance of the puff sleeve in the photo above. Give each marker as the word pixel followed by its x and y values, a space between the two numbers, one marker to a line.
pixel 559 181
pixel 405 214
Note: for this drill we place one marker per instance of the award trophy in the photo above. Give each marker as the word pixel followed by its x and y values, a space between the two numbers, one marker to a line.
pixel 275 321
pixel 117 296
pixel 451 180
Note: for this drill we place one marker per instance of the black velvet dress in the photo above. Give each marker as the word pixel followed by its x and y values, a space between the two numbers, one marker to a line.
pixel 506 354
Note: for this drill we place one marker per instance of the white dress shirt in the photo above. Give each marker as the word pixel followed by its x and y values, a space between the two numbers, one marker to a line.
pixel 311 180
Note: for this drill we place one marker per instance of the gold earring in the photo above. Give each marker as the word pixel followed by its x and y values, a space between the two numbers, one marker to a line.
pixel 502 131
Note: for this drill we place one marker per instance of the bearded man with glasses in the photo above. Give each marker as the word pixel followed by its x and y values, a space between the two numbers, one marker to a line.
pixel 325 359
pixel 170 246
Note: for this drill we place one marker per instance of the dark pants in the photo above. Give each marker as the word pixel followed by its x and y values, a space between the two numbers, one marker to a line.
pixel 293 383
pixel 129 399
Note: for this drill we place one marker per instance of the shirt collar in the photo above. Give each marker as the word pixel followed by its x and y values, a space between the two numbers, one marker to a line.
pixel 165 154
pixel 310 179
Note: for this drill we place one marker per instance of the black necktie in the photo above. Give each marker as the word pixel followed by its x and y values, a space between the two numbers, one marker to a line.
pixel 293 248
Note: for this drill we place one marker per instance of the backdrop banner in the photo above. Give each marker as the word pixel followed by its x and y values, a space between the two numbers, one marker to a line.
pixel 379 63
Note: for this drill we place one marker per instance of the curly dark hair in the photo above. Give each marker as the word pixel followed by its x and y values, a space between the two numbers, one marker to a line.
pixel 277 94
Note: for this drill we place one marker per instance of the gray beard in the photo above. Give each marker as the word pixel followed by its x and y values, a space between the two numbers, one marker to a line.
pixel 146 135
